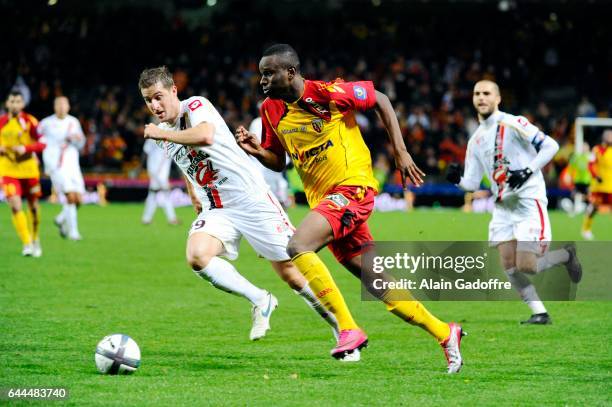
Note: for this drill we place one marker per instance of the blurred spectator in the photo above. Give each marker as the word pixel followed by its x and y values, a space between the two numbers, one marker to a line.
pixel 113 148
pixel 430 82
pixel 586 108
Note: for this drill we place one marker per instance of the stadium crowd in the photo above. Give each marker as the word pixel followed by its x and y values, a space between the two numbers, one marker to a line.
pixel 425 67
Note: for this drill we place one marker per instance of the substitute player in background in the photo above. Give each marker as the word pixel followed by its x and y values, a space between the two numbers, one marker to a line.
pixel 230 195
pixel 63 135
pixel 19 169
pixel 158 169
pixel 581 176
pixel 314 122
pixel 600 166
pixel 511 152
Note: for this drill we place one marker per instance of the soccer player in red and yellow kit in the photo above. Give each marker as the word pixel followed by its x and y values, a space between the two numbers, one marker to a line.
pixel 314 122
pixel 19 170
pixel 600 192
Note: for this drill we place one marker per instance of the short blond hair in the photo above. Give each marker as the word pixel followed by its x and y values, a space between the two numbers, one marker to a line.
pixel 151 76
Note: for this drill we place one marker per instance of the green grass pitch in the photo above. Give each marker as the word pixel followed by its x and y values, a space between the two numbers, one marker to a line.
pixel 133 279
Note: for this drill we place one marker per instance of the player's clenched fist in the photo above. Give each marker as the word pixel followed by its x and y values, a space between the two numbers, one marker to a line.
pixel 153 132
pixel 247 141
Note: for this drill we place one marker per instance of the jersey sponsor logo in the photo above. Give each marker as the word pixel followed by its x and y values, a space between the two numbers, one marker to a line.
pixel 205 174
pixel 360 92
pixel 522 121
pixel 202 172
pixel 317 107
pixel 312 152
pixel 324 292
pixel 338 199
pixel 317 124
pixel 194 105
pixel 197 159
pixel 301 129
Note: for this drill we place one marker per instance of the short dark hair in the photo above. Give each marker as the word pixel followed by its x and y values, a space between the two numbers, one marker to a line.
pixel 151 76
pixel 287 54
pixel 15 92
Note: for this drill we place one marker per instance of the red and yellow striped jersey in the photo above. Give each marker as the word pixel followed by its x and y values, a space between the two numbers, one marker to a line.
pixel 321 135
pixel 19 130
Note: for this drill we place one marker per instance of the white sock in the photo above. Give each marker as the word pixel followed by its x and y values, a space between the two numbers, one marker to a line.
pixel 551 259
pixel 62 215
pixel 526 290
pixel 224 276
pixel 314 303
pixel 150 206
pixel 71 217
pixel 166 203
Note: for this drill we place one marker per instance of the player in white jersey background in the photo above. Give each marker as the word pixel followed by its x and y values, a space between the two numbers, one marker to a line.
pixel 230 195
pixel 275 180
pixel 158 169
pixel 64 138
pixel 511 152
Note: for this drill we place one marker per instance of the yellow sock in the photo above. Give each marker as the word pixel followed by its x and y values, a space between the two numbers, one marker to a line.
pixel 323 285
pixel 415 313
pixel 35 223
pixel 21 226
pixel 587 223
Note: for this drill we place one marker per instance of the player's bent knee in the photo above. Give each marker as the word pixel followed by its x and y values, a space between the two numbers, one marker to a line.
pixel 295 247
pixel 198 259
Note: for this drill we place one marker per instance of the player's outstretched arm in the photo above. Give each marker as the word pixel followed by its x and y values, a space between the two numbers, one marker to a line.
pixel 200 135
pixel 403 160
pixel 249 143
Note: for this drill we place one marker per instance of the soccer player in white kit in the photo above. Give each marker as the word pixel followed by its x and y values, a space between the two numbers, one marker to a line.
pixel 64 138
pixel 277 182
pixel 158 168
pixel 232 198
pixel 511 152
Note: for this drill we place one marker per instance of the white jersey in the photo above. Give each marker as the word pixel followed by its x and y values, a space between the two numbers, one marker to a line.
pixel 275 180
pixel 222 174
pixel 63 139
pixel 501 143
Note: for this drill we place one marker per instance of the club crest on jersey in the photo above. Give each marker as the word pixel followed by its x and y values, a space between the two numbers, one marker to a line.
pixel 194 105
pixel 360 92
pixel 338 199
pixel 317 125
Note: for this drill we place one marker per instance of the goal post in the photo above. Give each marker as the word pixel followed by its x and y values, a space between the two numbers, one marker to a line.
pixel 582 122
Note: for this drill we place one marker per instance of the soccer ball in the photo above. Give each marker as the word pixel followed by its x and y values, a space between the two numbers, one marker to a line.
pixel 117 354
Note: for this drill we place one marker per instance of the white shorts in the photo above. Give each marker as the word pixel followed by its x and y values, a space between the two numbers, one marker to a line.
pixel 160 178
pixel 278 185
pixel 526 222
pixel 65 181
pixel 158 182
pixel 263 223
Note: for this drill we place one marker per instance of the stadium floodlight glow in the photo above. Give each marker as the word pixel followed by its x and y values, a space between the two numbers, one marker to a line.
pixel 52 2
pixel 582 122
pixel 211 3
